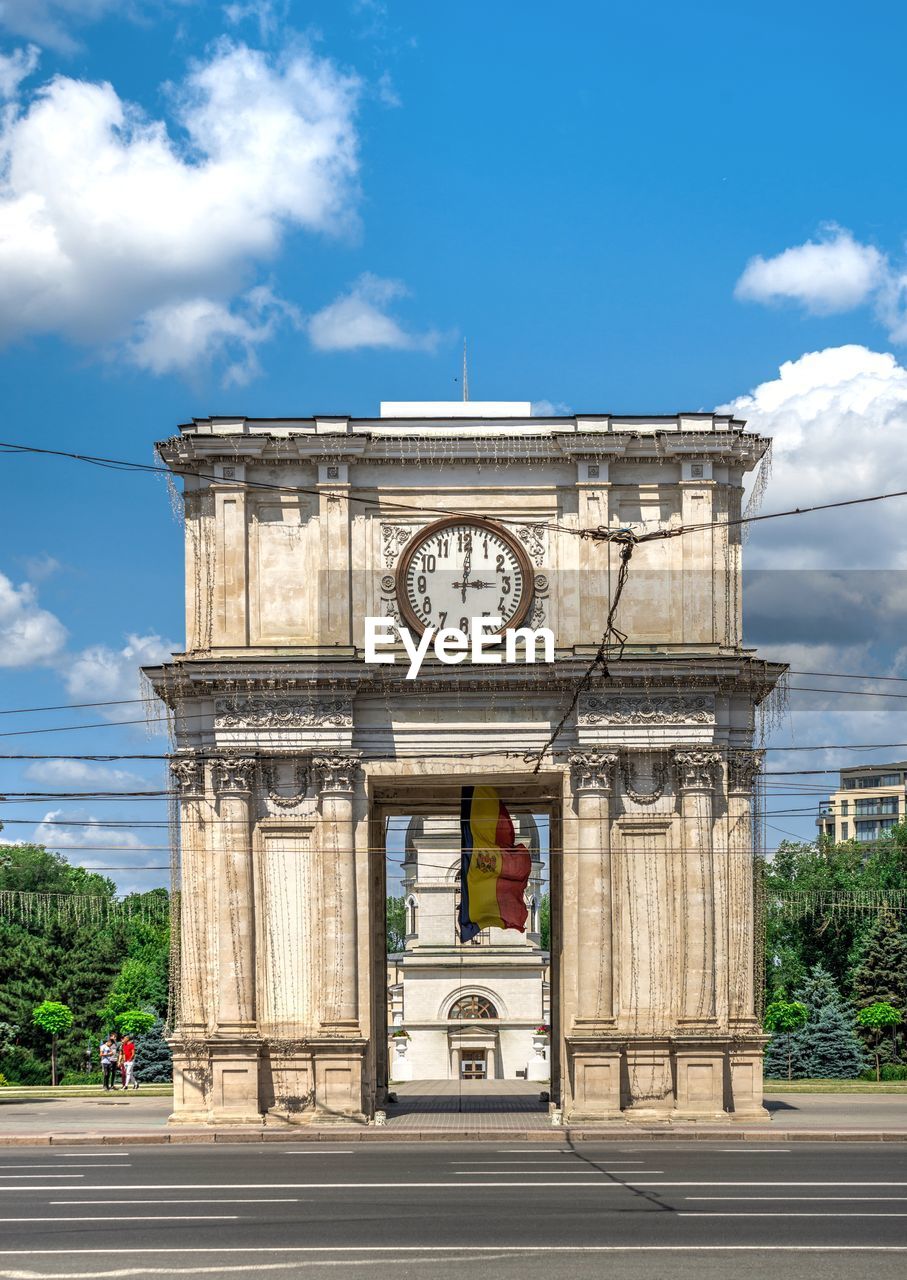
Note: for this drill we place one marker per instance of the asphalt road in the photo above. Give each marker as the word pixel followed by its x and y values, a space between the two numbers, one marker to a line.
pixel 513 1210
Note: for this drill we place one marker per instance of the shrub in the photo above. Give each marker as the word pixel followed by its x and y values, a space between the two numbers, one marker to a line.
pixel 20 1066
pixel 82 1077
pixel 893 1071
pixel 3 1081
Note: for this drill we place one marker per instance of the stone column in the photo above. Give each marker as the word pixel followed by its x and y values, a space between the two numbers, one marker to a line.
pixel 696 907
pixel 336 775
pixel 593 1047
pixel 593 779
pixel 747 1040
pixel 232 778
pixel 193 990
pixel 698 1048
pixel 235 1046
pixel 192 995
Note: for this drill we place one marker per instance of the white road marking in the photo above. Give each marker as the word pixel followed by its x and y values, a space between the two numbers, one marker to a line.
pixel 746 1149
pixel 90 1155
pixel 409 1249
pixel 786 1199
pixel 183 1200
pixel 134 1217
pixel 735 1182
pixel 55 1166
pixel 18 1177
pixel 501 1173
pixel 313 1186
pixel 318 1152
pixel 798 1213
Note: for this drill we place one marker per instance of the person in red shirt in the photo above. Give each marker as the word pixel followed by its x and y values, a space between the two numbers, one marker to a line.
pixel 128 1050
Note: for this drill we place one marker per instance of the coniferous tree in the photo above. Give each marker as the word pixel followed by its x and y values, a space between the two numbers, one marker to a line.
pixel 880 975
pixel 152 1053
pixel 831 1046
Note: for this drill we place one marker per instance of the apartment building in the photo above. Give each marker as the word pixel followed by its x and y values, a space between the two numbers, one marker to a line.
pixel 869 801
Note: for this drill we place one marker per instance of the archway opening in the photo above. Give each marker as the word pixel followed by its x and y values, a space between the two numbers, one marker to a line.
pixel 470 1024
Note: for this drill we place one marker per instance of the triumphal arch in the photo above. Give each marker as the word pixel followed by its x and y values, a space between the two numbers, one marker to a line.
pixel 303 725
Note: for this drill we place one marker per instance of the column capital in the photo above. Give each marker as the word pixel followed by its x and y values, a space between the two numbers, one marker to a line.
pixel 696 769
pixel 336 772
pixel 744 767
pixel 593 770
pixel 232 775
pixel 189 776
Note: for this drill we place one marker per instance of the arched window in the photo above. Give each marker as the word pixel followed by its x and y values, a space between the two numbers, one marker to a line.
pixel 412 912
pixel 472 1007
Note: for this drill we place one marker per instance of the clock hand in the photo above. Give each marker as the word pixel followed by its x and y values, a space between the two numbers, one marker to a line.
pixel 467 564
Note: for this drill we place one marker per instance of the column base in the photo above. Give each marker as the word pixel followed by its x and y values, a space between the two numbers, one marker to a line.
pixel 594 1065
pixel 699 1076
pixel 234 1095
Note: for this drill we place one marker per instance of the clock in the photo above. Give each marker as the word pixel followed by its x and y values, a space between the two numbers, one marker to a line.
pixel 462 568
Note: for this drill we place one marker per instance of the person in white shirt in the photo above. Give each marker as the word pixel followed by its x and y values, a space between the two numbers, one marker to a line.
pixel 108 1061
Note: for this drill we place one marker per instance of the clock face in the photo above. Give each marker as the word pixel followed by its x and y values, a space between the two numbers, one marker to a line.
pixel 457 570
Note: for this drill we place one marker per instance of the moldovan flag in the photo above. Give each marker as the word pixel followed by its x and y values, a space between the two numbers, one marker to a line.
pixel 493 873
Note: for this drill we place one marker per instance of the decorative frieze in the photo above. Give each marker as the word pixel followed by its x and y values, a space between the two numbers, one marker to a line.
pixel 232 774
pixel 593 770
pixel 625 709
pixel 696 769
pixel 743 769
pixel 188 775
pixel 644 776
pixel 336 772
pixel 281 711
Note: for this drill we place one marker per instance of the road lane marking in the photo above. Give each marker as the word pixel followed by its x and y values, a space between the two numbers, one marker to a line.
pixel 744 1149
pixel 18 1177
pixel 32 1165
pixel 311 1186
pixel 183 1200
pixel 91 1155
pixel 318 1152
pixel 792 1199
pixel 736 1182
pixel 135 1217
pixel 409 1249
pixel 797 1213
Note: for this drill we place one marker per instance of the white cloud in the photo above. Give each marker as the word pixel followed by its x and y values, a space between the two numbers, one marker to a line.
pixel 199 331
pixel 838 418
pixel 359 318
pixel 29 635
pixel 112 229
pixel 54 836
pixel 41 566
pixel 833 274
pixel 100 673
pixel 263 13
pixel 82 773
pixel 50 22
pixel 16 67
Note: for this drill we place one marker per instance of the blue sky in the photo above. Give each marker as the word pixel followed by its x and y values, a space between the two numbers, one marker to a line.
pixel 624 208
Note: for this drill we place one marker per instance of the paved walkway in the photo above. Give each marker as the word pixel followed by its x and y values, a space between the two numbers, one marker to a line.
pixel 444 1108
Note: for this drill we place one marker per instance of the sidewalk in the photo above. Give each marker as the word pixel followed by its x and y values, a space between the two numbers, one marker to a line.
pixel 444 1111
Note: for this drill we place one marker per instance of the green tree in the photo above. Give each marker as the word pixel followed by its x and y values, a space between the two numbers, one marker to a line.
pixel 396 925
pixel 53 1018
pixel 784 1017
pixel 831 1047
pixel 879 1017
pixel 545 922
pixel 808 888
pixel 135 1022
pixel 879 973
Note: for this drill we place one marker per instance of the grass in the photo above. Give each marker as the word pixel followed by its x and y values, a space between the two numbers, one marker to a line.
pixel 21 1092
pixel 835 1086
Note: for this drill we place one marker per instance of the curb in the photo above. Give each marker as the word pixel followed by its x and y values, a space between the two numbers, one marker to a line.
pixel 207 1137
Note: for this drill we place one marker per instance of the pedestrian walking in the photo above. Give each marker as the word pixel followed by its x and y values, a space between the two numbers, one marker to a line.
pixel 108 1054
pixel 128 1050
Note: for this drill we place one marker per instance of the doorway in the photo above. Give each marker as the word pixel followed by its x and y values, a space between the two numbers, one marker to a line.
pixel 473 1064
